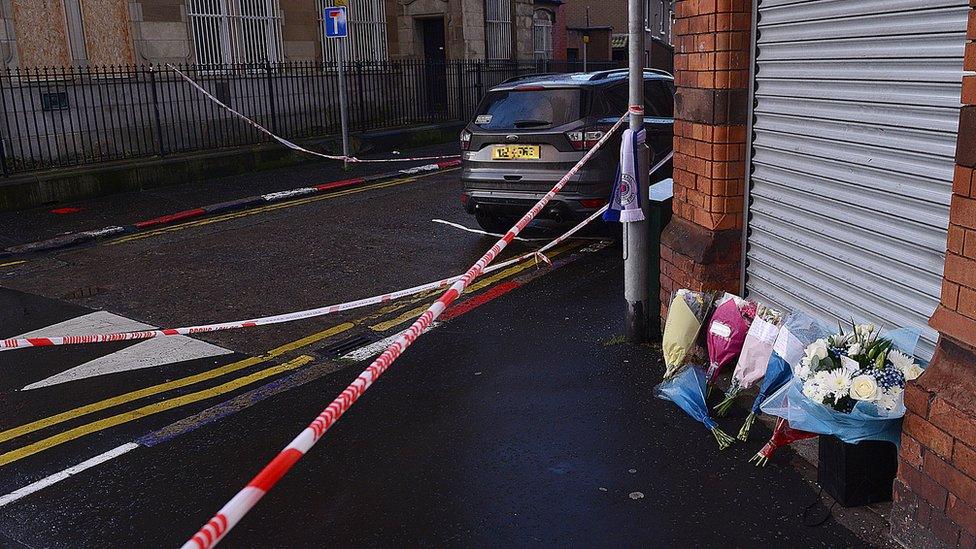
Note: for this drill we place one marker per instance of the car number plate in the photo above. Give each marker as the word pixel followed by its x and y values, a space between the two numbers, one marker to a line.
pixel 515 152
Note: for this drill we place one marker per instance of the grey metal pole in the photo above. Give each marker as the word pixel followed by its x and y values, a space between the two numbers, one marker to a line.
pixel 343 101
pixel 636 243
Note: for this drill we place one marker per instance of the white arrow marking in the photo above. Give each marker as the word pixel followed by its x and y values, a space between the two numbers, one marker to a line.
pixel 146 354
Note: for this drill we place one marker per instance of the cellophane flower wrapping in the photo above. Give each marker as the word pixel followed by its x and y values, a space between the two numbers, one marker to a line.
pixel 799 330
pixel 757 348
pixel 686 314
pixel 727 331
pixel 824 396
pixel 687 390
pixel 783 435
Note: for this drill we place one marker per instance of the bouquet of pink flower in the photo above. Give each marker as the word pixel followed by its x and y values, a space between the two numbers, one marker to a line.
pixel 756 350
pixel 727 331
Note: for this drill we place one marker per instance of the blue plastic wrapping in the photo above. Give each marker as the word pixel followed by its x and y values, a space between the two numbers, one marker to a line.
pixel 866 422
pixel 799 330
pixel 687 390
pixel 778 372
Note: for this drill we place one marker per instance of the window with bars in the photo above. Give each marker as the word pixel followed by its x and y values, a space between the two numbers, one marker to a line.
pixel 235 31
pixel 657 18
pixel 367 31
pixel 498 29
pixel 542 34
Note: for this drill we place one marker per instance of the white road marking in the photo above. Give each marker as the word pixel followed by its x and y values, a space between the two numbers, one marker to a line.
pixel 59 476
pixel 146 354
pixel 374 349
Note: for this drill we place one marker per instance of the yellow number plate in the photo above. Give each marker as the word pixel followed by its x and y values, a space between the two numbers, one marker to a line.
pixel 515 152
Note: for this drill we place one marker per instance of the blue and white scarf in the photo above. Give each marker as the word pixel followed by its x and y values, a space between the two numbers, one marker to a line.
pixel 625 200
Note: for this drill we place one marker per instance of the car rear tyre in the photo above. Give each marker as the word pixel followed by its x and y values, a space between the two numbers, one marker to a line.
pixel 491 222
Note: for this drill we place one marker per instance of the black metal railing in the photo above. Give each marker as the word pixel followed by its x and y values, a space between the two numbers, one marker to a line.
pixel 59 117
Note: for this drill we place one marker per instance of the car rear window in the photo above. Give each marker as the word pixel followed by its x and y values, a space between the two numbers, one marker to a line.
pixel 658 100
pixel 529 109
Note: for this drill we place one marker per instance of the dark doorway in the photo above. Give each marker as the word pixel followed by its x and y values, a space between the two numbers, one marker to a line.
pixel 435 59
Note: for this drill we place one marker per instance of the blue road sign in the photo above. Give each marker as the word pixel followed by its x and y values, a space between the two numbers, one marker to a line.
pixel 335 22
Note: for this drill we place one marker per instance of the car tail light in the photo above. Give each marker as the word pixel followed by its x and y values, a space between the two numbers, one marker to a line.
pixel 593 202
pixel 586 139
pixel 465 140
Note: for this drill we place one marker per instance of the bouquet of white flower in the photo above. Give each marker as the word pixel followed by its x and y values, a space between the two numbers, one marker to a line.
pixel 856 379
pixel 857 366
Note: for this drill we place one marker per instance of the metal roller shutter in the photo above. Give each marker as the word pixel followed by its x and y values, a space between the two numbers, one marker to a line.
pixel 854 131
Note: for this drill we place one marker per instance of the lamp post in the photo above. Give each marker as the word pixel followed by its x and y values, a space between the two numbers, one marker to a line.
pixel 636 245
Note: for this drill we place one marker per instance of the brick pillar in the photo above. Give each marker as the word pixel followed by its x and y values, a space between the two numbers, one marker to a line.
pixel 701 249
pixel 935 493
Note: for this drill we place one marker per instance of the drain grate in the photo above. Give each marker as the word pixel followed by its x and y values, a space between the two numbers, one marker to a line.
pixel 81 293
pixel 345 345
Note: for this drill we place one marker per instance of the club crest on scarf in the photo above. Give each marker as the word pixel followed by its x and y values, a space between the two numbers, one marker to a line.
pixel 625 199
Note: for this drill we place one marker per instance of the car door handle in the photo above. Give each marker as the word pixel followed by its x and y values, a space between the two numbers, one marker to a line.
pixel 513 178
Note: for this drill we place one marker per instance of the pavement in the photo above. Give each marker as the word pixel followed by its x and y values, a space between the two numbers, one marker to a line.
pixel 520 420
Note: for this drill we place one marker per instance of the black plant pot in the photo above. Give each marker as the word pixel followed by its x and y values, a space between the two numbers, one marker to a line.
pixel 857 474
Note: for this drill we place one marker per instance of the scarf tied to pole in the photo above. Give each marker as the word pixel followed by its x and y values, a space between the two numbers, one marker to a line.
pixel 625 201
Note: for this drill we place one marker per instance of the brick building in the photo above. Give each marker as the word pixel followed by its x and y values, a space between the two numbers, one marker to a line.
pixel 825 161
pixel 122 32
pixel 605 26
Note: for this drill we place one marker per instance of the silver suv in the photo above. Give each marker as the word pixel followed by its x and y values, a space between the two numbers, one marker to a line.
pixel 530 130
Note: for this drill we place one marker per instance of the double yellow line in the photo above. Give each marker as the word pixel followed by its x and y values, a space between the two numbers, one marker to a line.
pixel 268 208
pixel 132 415
pixel 169 404
pixel 139 394
pixel 229 386
pixel 176 402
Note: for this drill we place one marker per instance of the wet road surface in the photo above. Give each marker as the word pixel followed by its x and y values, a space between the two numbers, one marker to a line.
pixel 517 422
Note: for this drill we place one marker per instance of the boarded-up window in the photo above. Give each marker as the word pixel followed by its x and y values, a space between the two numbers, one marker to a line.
pixel 107 38
pixel 42 39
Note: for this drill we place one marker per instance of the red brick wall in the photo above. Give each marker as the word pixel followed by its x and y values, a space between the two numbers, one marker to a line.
pixel 701 247
pixel 559 34
pixel 935 493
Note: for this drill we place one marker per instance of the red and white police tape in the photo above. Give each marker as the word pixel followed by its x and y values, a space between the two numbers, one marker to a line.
pixel 53 340
pixel 57 340
pixel 235 509
pixel 289 144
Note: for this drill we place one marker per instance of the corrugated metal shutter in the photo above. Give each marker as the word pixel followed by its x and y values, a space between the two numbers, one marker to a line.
pixel 856 113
